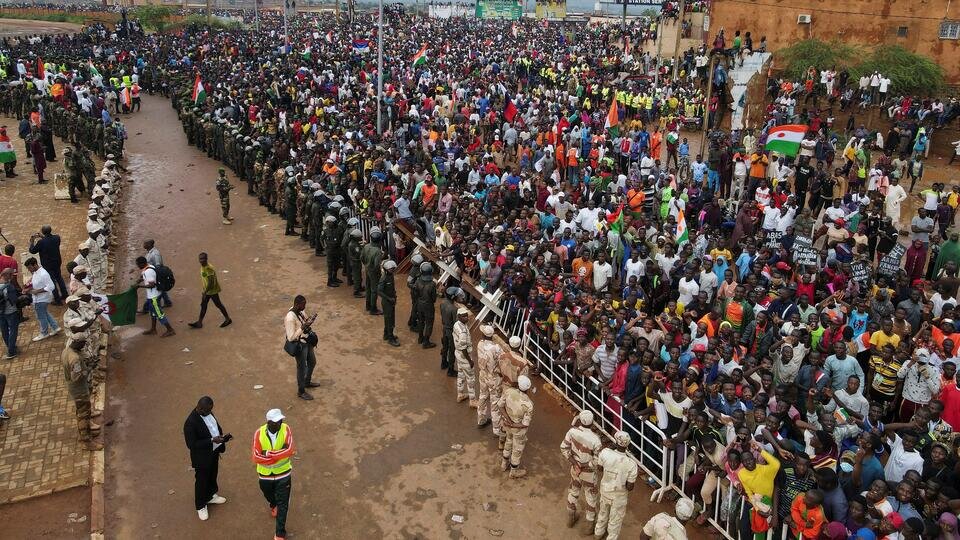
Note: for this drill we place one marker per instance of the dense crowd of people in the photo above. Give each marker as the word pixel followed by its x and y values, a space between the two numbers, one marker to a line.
pixel 780 317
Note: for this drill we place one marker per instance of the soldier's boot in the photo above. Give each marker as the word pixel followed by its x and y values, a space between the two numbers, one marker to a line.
pixel 504 464
pixel 394 341
pixel 226 221
pixel 94 429
pixel 588 526
pixel 572 518
pixel 518 472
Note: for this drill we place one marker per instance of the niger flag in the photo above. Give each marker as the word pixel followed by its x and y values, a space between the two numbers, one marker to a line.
pixel 613 118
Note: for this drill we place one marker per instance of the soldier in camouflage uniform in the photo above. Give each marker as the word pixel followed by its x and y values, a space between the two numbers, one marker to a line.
pixel 290 206
pixel 72 168
pixel 306 217
pixel 223 190
pixel 86 167
pixel 319 208
pixel 372 257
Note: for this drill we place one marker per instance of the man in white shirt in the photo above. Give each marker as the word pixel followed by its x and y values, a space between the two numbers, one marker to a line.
pixel 41 287
pixel 148 281
pixel 687 287
pixel 587 218
pixel 602 273
pixel 903 455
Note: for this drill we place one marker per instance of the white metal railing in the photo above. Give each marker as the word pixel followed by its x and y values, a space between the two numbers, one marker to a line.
pixel 662 465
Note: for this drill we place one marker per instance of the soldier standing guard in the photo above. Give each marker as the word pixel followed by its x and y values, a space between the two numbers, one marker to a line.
pixel 448 318
pixel 332 246
pixel 223 190
pixel 353 255
pixel 489 378
pixel 387 291
pixel 618 475
pixel 580 447
pixel 412 278
pixel 462 349
pixel 78 387
pixel 371 256
pixel 426 300
pixel 516 409
pixel 72 167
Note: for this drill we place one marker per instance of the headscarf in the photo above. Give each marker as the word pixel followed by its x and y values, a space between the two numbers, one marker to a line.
pixel 948 518
pixel 720 267
pixel 835 531
pixel 949 251
pixel 865 534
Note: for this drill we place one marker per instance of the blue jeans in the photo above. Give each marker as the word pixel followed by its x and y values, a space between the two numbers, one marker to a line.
pixel 9 326
pixel 47 323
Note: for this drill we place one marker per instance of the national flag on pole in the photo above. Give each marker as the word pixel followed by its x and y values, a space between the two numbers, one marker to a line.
pixel 361 46
pixel 513 29
pixel 120 309
pixel 613 118
pixel 7 153
pixel 509 109
pixel 199 93
pixel 785 140
pixel 307 53
pixel 682 236
pixel 40 68
pixel 329 36
pixel 125 97
pixel 93 70
pixel 420 57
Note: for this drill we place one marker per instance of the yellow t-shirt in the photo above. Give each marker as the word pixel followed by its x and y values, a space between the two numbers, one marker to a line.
pixel 760 480
pixel 880 340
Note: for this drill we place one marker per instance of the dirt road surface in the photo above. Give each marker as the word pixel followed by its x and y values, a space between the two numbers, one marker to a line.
pixel 22 27
pixel 384 450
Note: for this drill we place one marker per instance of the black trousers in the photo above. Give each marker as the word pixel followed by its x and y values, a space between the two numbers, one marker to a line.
pixel 277 494
pixel 216 301
pixel 205 486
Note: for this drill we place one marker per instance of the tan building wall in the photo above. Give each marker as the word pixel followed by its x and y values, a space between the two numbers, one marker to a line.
pixel 914 24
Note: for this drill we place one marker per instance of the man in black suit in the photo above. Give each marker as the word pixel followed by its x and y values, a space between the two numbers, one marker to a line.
pixel 47 245
pixel 206 441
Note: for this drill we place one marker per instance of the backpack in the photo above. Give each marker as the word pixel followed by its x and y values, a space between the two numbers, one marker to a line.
pixel 165 279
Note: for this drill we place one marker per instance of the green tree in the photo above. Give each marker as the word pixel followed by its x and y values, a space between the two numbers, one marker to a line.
pixel 799 57
pixel 153 17
pixel 908 72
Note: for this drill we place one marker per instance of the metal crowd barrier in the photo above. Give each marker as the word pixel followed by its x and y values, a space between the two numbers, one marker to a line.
pixel 661 465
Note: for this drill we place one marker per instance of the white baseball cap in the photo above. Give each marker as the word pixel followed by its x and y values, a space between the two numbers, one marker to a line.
pixel 274 415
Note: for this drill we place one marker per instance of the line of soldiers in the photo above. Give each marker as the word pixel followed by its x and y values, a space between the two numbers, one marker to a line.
pixel 83 325
pixel 72 125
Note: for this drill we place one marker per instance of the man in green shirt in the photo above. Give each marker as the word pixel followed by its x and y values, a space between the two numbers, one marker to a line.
pixel 211 291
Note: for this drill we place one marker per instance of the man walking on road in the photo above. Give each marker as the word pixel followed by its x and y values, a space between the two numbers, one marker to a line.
pixel 489 379
pixel 154 259
pixel 47 246
pixel 78 386
pixel 516 409
pixel 618 475
pixel 206 441
pixel 210 286
pixel 272 452
pixel 580 447
pixel 148 281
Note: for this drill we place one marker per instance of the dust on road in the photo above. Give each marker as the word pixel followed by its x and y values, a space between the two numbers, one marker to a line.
pixel 384 450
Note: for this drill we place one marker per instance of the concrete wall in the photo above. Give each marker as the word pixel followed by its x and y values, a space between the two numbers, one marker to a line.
pixel 864 22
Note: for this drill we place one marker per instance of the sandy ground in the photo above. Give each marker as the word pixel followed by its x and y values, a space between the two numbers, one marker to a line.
pixel 384 450
pixel 60 515
pixel 22 27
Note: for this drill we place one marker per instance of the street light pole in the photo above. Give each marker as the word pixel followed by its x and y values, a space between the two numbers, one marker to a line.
pixel 676 47
pixel 380 69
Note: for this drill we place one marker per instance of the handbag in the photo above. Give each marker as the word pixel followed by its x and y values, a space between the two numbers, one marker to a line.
pixel 292 348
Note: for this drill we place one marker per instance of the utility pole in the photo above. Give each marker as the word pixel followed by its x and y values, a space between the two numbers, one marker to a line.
pixel 676 47
pixel 208 13
pixel 380 69
pixel 656 60
pixel 706 108
pixel 623 21
pixel 256 14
